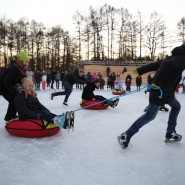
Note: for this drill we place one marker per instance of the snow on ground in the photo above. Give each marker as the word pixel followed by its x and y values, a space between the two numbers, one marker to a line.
pixel 91 154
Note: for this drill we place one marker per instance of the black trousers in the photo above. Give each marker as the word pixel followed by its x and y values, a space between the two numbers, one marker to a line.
pixel 11 111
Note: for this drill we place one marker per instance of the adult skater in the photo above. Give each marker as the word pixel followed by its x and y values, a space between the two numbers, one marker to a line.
pixel 69 80
pixel 167 76
pixel 12 76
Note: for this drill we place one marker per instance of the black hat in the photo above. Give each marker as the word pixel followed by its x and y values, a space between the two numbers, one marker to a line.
pixel 180 50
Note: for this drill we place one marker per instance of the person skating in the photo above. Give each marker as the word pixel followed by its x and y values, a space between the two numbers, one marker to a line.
pixel 12 76
pixel 167 76
pixel 69 80
pixel 88 94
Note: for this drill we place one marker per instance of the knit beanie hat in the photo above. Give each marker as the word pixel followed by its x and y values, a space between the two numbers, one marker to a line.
pixel 180 50
pixel 23 56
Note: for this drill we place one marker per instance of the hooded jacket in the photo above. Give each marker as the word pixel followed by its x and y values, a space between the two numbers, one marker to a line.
pixel 167 77
pixel 13 75
pixel 73 77
pixel 88 91
pixel 28 107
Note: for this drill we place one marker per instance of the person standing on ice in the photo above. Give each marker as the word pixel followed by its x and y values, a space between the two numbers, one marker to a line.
pixel 69 80
pixel 88 94
pixel 168 75
pixel 12 76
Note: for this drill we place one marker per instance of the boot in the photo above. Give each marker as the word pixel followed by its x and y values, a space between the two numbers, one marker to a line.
pixel 52 95
pixel 172 137
pixel 124 140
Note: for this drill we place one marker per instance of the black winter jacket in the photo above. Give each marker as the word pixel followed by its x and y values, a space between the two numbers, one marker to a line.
pixel 13 75
pixel 73 77
pixel 88 91
pixel 27 107
pixel 167 76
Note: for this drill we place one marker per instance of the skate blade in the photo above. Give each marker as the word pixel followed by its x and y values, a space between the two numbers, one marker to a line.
pixel 70 120
pixel 172 141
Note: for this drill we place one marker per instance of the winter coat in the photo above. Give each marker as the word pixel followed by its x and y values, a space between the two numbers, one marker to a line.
pixel 48 78
pixel 27 107
pixel 73 77
pixel 138 80
pixel 38 77
pixel 167 77
pixel 112 78
pixel 13 75
pixel 58 76
pixel 128 80
pixel 87 93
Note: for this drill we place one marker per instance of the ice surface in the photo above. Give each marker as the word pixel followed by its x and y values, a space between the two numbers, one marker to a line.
pixel 91 154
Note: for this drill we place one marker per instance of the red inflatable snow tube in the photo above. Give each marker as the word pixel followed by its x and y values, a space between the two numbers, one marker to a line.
pixel 86 104
pixel 32 128
pixel 118 92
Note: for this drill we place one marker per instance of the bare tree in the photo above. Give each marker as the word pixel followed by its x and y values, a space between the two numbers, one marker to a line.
pixel 132 35
pixel 124 17
pixel 153 31
pixel 141 34
pixel 181 29
pixel 78 18
pixel 86 34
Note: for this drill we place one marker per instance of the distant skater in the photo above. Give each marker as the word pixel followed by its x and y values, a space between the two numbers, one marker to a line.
pixel 69 80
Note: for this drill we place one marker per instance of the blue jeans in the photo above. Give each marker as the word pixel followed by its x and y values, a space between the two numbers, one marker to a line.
pixel 47 115
pixel 151 113
pixel 68 90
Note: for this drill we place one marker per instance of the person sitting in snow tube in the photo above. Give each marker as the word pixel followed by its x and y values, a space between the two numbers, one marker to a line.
pixel 119 86
pixel 88 95
pixel 29 107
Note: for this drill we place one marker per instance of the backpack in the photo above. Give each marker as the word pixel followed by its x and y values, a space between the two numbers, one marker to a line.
pixel 3 72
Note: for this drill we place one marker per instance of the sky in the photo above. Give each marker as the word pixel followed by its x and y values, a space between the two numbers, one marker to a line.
pixel 55 12
pixel 91 155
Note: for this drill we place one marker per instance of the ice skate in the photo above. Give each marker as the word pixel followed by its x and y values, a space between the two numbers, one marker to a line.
pixel 69 121
pixel 60 120
pixel 172 137
pixel 114 103
pixel 124 140
pixel 66 120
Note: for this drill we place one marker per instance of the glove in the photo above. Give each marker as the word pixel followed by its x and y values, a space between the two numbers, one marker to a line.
pixel 19 88
pixel 155 86
pixel 135 71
